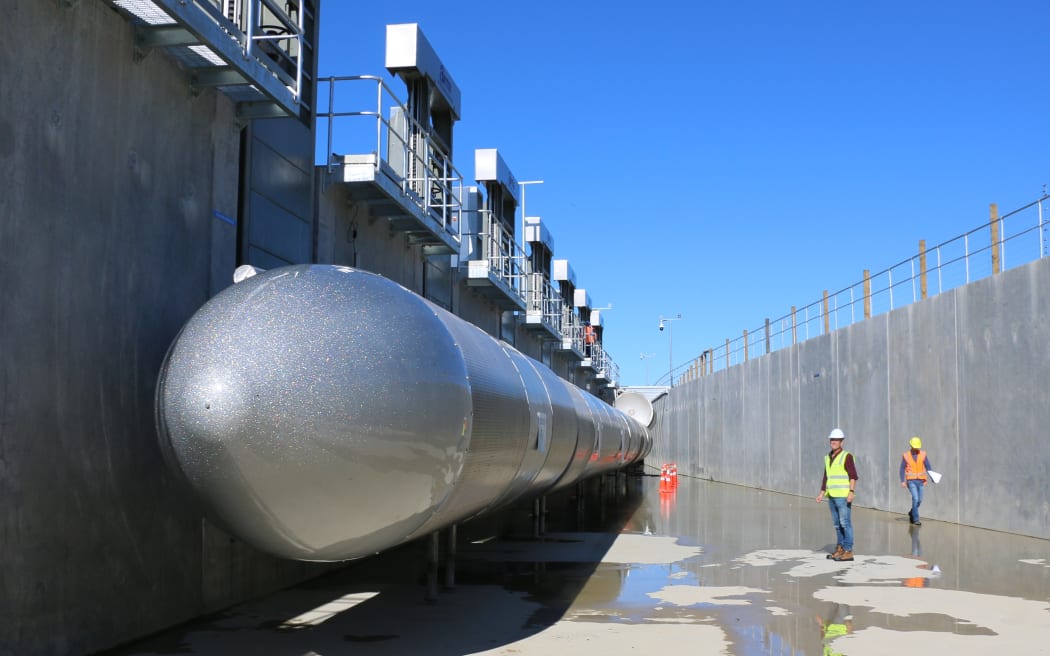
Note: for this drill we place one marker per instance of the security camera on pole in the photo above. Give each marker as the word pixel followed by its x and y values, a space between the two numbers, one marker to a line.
pixel 670 345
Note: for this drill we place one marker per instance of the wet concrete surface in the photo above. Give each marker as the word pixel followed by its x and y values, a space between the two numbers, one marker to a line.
pixel 709 568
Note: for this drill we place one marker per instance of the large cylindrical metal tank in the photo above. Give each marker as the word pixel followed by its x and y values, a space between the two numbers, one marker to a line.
pixel 326 413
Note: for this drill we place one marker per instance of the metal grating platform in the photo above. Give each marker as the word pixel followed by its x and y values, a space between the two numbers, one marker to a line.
pixel 252 66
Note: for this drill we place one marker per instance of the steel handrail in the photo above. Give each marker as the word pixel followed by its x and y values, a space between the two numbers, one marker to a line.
pixel 541 296
pixel 251 37
pixel 505 256
pixel 428 177
pixel 788 326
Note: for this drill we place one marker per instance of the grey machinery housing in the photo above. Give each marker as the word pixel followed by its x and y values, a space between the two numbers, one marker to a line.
pixel 325 413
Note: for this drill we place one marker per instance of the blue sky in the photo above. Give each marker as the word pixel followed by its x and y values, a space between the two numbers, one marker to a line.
pixel 727 160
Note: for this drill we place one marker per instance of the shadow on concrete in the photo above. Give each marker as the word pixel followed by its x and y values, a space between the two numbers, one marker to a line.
pixel 509 586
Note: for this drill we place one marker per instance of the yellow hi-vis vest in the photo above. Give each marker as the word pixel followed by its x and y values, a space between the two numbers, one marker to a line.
pixel 838 478
pixel 833 631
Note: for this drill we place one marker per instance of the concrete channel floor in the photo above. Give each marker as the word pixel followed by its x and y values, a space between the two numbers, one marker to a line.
pixel 707 569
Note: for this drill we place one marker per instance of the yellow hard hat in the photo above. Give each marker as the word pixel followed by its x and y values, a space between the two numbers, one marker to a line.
pixel 915 443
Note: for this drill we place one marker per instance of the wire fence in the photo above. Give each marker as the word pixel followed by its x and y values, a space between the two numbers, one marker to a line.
pixel 1006 241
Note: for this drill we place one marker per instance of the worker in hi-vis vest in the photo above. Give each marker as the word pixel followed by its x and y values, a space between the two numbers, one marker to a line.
pixel 914 464
pixel 839 484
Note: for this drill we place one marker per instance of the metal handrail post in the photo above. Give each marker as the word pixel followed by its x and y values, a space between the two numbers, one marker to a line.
pixel 1042 237
pixel 966 254
pixel 1002 243
pixel 913 296
pixel 379 126
pixel 331 120
pixel 940 286
pixel 299 59
pixel 249 35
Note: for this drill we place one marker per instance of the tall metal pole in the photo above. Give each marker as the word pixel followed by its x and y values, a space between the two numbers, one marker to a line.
pixel 670 345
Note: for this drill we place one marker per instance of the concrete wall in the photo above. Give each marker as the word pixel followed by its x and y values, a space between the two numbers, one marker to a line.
pixel 966 370
pixel 115 179
pixel 278 207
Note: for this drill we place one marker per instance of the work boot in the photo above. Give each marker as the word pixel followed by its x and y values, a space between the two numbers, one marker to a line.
pixel 845 556
pixel 838 552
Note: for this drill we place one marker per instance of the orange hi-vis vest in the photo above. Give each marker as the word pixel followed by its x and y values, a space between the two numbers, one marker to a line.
pixel 915 469
pixel 588 334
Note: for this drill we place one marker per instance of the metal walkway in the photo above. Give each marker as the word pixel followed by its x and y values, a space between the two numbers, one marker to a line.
pixel 709 569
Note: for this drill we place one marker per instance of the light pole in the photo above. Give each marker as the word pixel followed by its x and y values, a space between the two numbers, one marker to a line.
pixel 522 183
pixel 642 357
pixel 670 345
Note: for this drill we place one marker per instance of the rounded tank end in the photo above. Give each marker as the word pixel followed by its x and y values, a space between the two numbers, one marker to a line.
pixel 321 413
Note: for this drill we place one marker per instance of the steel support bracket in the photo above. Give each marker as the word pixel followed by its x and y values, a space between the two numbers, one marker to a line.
pixel 218 76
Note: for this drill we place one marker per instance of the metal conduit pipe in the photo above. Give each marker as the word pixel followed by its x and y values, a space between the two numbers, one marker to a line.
pixel 324 413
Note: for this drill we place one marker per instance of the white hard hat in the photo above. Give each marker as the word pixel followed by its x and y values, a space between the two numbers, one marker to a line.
pixel 836 435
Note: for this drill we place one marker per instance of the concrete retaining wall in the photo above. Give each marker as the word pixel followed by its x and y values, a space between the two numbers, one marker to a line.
pixel 113 172
pixel 966 370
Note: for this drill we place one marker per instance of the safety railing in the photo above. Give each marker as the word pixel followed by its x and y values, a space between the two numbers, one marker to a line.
pixel 377 123
pixel 273 32
pixel 571 328
pixel 612 369
pixel 1012 239
pixel 603 363
pixel 231 34
pixel 496 245
pixel 541 298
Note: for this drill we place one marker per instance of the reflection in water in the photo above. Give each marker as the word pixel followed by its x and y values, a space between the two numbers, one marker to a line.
pixel 837 624
pixel 776 543
pixel 916 546
pixel 710 569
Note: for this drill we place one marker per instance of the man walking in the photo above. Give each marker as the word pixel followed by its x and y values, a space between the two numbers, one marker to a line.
pixel 914 465
pixel 840 481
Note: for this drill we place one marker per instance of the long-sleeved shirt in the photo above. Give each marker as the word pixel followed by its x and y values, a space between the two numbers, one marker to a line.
pixel 851 469
pixel 904 466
